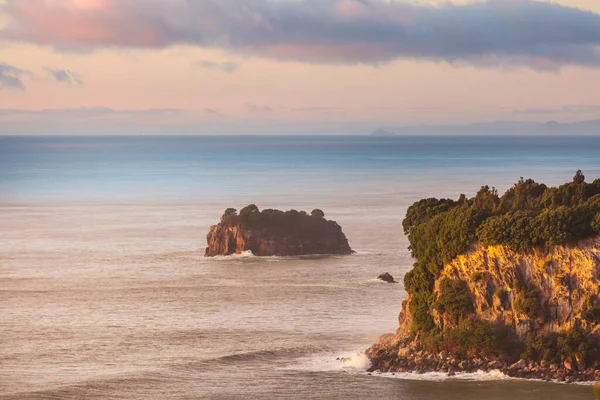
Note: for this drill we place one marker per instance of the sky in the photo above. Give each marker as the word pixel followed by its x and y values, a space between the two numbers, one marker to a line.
pixel 293 66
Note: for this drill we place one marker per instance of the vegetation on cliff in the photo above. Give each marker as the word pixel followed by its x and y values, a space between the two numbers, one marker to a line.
pixel 274 232
pixel 529 218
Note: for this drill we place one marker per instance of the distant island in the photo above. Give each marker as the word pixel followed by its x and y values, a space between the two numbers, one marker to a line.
pixel 275 233
pixel 497 128
pixel 382 132
pixel 505 282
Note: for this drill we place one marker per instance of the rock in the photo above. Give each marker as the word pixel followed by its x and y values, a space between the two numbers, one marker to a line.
pixel 518 365
pixel 386 277
pixel 560 375
pixel 275 233
pixel 517 295
pixel 569 365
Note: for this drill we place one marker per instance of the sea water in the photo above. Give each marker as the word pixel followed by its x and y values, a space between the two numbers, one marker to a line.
pixel 105 292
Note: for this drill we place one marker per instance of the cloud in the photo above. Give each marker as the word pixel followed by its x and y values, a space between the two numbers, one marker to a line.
pixel 227 66
pixel 580 109
pixel 492 33
pixel 10 77
pixel 89 112
pixel 210 111
pixel 254 108
pixel 317 109
pixel 64 75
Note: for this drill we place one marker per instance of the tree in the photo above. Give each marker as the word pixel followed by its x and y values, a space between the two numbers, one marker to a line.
pixel 317 213
pixel 230 211
pixel 248 210
pixel 579 177
pixel 229 215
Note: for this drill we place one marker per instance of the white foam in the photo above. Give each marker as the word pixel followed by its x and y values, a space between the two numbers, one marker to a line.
pixel 377 280
pixel 481 376
pixel 358 363
pixel 351 362
pixel 245 254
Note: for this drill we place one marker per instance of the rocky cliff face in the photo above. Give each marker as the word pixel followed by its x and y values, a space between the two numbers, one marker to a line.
pixel 275 233
pixel 532 295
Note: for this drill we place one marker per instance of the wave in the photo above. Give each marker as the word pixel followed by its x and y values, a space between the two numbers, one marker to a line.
pixel 479 376
pixel 377 280
pixel 358 363
pixel 248 255
pixel 245 254
pixel 282 353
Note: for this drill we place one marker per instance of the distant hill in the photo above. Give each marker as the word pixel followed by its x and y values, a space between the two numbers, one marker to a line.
pixel 522 128
pixel 382 132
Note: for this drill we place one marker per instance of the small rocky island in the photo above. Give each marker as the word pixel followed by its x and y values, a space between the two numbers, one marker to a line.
pixel 275 233
pixel 509 283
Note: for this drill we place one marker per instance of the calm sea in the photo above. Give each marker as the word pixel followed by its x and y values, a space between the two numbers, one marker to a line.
pixel 105 293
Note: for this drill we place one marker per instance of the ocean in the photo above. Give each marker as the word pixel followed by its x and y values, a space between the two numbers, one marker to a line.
pixel 105 292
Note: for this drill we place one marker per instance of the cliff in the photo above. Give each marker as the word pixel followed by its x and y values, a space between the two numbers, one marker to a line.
pixel 508 283
pixel 534 303
pixel 275 233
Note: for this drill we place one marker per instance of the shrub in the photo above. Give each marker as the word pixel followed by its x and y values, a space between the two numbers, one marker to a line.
pixel 529 215
pixel 454 299
pixel 317 213
pixel 596 223
pixel 502 295
pixel 478 276
pixel 554 347
pixel 476 338
pixel 528 302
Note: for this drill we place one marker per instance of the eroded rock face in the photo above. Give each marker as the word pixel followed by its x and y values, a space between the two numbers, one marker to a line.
pixel 562 285
pixel 531 294
pixel 276 233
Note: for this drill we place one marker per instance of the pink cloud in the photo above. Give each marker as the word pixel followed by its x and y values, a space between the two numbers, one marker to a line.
pixel 494 33
pixel 72 24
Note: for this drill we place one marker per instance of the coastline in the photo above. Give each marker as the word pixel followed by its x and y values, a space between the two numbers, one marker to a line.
pixel 398 357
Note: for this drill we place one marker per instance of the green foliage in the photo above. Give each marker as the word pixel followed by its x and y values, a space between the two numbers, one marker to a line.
pixel 502 295
pixel 529 215
pixel 511 229
pixel 421 321
pixel 528 302
pixel 591 315
pixel 229 215
pixel 524 195
pixel 275 223
pixel 249 209
pixel 596 223
pixel 423 210
pixel 440 239
pixel 555 347
pixel 454 299
pixel 478 276
pixel 591 311
pixel 476 338
pixel 579 178
pixel 486 199
pixel 317 213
